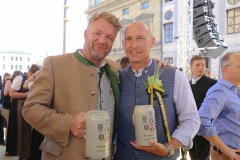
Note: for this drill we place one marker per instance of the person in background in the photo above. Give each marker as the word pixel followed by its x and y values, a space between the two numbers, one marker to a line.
pixel 28 83
pixel 178 99
pixel 207 73
pixel 220 110
pixel 2 141
pixel 10 115
pixel 124 62
pixel 199 85
pixel 5 110
pixel 23 131
pixel 37 138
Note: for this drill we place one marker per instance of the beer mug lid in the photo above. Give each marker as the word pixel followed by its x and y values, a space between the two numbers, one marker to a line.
pixel 97 112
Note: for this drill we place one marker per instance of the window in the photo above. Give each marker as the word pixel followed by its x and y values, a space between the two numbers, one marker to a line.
pixel 3 66
pixel 20 67
pixel 96 1
pixel 12 58
pixel 125 11
pixel 144 5
pixel 11 67
pixel 16 58
pixel 233 20
pixel 20 58
pixel 28 59
pixel 233 1
pixel 28 67
pixel 168 15
pixel 168 60
pixel 168 0
pixel 16 67
pixel 168 32
pixel 4 58
pixel 122 36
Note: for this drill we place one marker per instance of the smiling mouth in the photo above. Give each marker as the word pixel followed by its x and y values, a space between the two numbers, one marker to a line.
pixel 134 52
pixel 100 48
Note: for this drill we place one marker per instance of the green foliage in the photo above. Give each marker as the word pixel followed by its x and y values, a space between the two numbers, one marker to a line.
pixel 153 81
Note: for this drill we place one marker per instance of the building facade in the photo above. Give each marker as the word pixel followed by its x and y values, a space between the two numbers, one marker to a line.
pixel 162 17
pixel 15 60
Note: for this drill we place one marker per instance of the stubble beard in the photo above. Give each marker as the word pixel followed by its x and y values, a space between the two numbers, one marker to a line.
pixel 95 56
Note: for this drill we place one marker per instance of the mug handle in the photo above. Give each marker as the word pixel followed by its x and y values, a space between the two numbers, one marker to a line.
pixel 85 135
pixel 133 119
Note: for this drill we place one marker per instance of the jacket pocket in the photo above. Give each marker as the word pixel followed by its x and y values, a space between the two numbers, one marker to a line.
pixel 51 146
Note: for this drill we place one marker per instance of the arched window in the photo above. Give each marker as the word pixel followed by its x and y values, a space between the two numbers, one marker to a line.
pixel 168 15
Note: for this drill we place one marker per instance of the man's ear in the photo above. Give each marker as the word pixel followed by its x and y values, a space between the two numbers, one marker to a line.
pixel 152 41
pixel 85 34
pixel 225 70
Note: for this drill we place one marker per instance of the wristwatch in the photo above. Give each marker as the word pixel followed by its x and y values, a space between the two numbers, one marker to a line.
pixel 170 148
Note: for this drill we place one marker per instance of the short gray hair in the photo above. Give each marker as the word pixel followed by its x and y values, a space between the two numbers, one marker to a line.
pixel 225 59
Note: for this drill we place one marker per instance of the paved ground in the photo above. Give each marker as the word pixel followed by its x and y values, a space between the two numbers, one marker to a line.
pixel 3 157
pixel 2 154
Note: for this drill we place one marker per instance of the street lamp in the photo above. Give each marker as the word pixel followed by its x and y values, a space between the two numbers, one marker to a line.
pixel 65 20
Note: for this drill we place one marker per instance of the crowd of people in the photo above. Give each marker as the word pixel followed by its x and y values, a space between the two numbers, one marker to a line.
pixel 18 131
pixel 202 114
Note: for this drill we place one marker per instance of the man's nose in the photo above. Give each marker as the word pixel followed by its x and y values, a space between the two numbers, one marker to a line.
pixel 134 44
pixel 102 39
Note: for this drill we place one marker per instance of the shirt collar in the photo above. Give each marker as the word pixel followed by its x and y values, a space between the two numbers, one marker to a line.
pixel 229 84
pixel 194 81
pixel 90 63
pixel 140 71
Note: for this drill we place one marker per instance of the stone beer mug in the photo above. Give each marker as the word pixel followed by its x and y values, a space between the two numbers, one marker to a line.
pixel 97 134
pixel 145 124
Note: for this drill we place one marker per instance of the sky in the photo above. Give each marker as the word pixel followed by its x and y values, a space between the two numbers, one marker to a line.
pixel 36 26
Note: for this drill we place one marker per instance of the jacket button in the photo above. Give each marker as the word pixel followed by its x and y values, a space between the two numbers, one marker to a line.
pixel 91 74
pixel 93 93
pixel 59 141
pixel 85 157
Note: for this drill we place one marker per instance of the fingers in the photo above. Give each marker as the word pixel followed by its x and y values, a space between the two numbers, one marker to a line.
pixel 135 145
pixel 84 114
pixel 153 143
pixel 155 148
pixel 78 125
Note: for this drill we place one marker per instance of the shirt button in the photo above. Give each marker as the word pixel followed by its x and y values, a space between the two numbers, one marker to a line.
pixel 93 93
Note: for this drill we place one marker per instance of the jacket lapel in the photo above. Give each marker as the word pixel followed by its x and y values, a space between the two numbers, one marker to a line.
pixel 115 86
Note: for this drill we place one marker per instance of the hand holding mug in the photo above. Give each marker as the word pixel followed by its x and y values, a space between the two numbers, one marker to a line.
pixel 78 125
pixel 145 124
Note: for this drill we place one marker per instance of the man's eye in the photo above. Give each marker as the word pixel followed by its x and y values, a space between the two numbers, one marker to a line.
pixel 110 38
